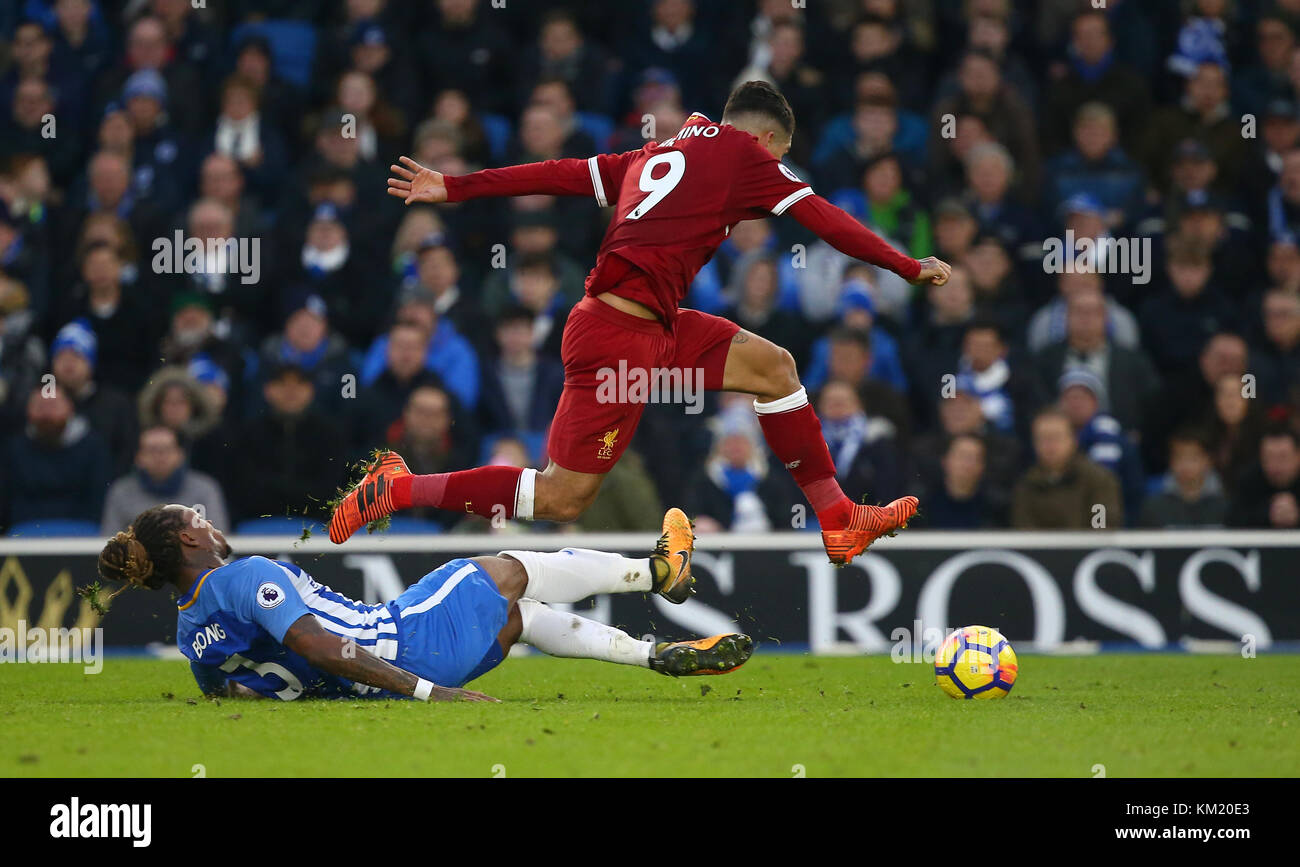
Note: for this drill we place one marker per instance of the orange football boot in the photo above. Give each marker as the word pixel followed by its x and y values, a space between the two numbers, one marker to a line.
pixel 867 525
pixel 671 561
pixel 716 655
pixel 370 499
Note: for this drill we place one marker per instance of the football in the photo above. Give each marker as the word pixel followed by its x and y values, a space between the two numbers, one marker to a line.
pixel 975 662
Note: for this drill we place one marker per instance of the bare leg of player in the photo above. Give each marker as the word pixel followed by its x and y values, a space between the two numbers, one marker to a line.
pixel 793 432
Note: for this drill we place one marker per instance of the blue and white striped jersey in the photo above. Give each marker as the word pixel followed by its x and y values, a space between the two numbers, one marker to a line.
pixel 232 622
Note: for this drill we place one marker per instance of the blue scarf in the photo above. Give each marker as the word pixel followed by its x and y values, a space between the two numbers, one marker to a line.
pixel 739 480
pixel 306 360
pixel 167 488
pixel 1091 73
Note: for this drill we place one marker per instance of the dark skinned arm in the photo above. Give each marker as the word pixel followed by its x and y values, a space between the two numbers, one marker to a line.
pixel 338 656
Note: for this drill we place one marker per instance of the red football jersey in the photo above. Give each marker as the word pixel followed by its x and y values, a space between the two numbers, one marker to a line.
pixel 674 204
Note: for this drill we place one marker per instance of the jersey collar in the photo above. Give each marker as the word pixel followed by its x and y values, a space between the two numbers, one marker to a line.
pixel 188 598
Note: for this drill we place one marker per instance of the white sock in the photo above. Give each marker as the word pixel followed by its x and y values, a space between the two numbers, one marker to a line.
pixel 576 573
pixel 561 633
pixel 526 494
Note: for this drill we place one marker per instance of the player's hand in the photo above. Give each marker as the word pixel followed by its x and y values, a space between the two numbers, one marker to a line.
pixel 414 183
pixel 444 693
pixel 933 271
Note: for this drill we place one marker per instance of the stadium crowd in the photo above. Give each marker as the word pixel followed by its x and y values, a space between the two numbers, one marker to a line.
pixel 1154 369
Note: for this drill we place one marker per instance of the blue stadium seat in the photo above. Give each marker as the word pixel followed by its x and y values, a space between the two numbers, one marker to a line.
pixel 598 126
pixel 54 528
pixel 278 526
pixel 497 128
pixel 293 47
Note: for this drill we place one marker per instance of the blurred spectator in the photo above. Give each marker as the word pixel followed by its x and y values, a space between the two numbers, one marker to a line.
pixel 254 145
pixel 1235 423
pixel 1189 395
pixel 739 489
pixel 867 456
pixel 521 388
pixel 1191 493
pixel 1008 397
pixel 556 95
pixel 26 129
pixel 1204 113
pixel 437 272
pixel 1268 495
pixel 1063 489
pixel 1277 358
pixel 161 476
pixel 564 54
pixel 1178 320
pixel 997 287
pixel 1126 374
pixel 858 312
pixel 983 92
pixel 162 165
pixel 1097 166
pixel 990 171
pixel 1095 74
pixel 402 369
pixel 125 327
pixel 850 361
pixel 1269 77
pixel 149 47
pixel 786 65
pixel 1101 438
pixel 934 346
pixel 109 412
pixel 960 501
pixel 755 284
pixel 432 441
pixel 174 398
pixel 288 460
pixel 308 342
pixel 464 48
pixel 57 468
pixel 22 355
pixel 960 415
pixel 222 180
pixel 672 41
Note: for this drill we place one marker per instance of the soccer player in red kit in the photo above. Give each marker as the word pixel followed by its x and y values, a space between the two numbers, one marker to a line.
pixel 674 203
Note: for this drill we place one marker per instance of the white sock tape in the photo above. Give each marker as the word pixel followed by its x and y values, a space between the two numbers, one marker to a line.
pixel 525 494
pixel 783 404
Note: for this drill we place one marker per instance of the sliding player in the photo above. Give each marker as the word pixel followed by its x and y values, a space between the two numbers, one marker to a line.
pixel 270 628
pixel 675 202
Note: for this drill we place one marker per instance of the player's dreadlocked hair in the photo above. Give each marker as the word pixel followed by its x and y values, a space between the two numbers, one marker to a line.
pixel 146 554
pixel 762 99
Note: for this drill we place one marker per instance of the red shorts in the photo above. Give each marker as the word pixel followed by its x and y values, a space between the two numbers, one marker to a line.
pixel 613 363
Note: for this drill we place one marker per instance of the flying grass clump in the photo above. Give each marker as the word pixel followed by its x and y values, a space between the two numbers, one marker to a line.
pixel 90 593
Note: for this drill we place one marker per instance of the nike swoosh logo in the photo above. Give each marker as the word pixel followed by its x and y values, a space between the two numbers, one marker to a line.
pixel 686 562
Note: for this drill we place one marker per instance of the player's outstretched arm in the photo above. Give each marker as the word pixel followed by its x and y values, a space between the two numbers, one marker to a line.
pixel 599 177
pixel 838 228
pixel 330 653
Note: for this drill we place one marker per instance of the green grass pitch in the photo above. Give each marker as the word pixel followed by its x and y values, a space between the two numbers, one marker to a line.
pixel 1138 715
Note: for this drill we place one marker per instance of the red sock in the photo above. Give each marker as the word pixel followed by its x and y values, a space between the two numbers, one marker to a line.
pixel 483 491
pixel 795 437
